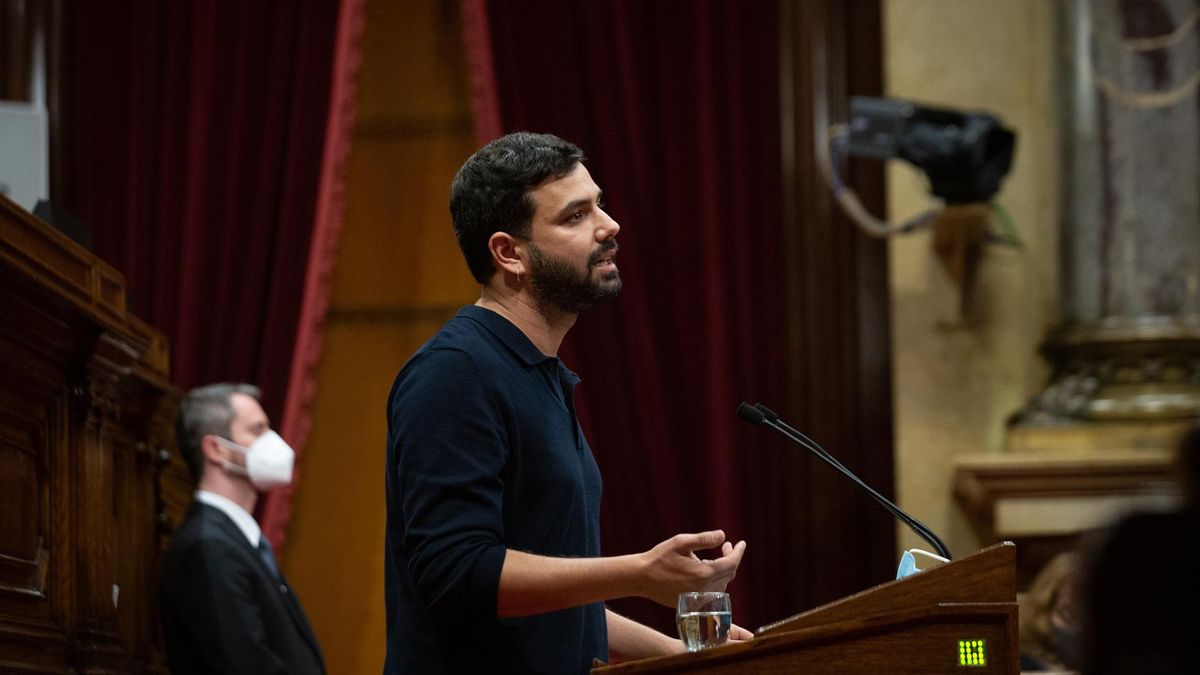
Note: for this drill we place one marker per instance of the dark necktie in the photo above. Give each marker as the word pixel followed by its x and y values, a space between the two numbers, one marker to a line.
pixel 268 556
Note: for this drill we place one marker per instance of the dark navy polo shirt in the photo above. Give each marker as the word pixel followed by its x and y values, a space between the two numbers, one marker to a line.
pixel 485 454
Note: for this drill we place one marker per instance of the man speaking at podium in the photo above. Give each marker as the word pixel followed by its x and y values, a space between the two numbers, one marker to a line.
pixel 493 543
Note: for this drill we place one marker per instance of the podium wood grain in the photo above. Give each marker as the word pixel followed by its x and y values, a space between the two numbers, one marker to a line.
pixel 912 625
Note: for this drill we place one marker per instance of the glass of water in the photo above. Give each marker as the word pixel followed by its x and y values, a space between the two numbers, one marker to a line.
pixel 703 619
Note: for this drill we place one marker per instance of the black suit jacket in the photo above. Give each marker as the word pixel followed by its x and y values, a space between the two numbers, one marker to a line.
pixel 224 611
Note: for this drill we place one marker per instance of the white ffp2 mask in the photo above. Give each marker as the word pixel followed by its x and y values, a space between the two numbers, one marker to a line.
pixel 269 461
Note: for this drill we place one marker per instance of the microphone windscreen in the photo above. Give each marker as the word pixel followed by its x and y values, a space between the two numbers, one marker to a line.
pixel 768 414
pixel 749 413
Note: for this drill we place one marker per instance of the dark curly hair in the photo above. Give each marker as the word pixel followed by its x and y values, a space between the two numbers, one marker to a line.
pixel 491 191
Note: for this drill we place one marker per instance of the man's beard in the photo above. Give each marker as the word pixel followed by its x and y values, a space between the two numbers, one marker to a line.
pixel 560 287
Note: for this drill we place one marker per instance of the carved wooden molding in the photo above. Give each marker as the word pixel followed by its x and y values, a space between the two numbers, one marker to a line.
pixel 59 264
pixel 1012 496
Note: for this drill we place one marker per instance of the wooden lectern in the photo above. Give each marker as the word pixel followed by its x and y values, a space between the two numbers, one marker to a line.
pixel 960 617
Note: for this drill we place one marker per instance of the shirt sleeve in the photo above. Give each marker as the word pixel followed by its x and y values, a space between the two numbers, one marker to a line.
pixel 448 451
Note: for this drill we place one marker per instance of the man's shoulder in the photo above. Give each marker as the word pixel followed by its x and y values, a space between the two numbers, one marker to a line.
pixel 464 332
pixel 461 347
pixel 204 529
pixel 463 366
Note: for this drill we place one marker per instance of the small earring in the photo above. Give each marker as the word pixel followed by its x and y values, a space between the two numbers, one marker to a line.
pixel 518 277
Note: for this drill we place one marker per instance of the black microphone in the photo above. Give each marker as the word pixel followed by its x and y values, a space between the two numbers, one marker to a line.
pixel 793 433
pixel 761 415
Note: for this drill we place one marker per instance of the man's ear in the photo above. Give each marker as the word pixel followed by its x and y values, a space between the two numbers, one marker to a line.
pixel 508 253
pixel 213 451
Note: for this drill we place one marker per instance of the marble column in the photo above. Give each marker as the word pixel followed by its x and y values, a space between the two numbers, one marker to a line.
pixel 1128 348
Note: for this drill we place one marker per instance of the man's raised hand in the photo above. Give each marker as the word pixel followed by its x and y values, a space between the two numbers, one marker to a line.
pixel 672 567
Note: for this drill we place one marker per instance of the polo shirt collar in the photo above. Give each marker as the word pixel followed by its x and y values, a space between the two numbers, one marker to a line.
pixel 506 332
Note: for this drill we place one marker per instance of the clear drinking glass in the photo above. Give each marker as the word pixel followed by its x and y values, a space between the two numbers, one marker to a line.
pixel 703 619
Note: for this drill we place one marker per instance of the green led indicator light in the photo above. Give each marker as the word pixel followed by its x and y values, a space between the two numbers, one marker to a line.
pixel 971 653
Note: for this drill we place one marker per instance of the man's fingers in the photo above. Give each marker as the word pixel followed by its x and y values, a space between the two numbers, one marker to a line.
pixel 699 540
pixel 739 634
pixel 728 563
pixel 734 551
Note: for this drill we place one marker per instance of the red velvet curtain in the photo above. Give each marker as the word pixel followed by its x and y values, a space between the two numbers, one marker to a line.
pixel 195 135
pixel 677 105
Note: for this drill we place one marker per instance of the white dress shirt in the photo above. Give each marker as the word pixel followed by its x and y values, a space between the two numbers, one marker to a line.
pixel 237 514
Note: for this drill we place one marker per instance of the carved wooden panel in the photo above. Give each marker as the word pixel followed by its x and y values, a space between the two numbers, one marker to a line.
pixel 34 559
pixel 85 417
pixel 24 505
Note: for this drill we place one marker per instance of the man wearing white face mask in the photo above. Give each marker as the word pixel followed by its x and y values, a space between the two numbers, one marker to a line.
pixel 226 607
